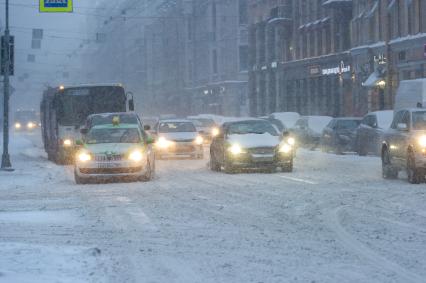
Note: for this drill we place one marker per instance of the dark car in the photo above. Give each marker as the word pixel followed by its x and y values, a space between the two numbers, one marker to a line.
pixel 404 146
pixel 339 135
pixel 308 130
pixel 250 144
pixel 369 135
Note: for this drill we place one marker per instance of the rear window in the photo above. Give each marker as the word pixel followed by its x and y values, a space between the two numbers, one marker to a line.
pixel 176 127
pixel 348 124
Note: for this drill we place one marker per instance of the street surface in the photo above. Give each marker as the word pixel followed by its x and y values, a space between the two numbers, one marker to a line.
pixel 333 220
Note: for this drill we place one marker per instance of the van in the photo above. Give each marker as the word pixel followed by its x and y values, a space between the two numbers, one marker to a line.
pixel 410 94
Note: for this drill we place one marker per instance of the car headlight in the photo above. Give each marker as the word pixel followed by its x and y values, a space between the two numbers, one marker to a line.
pixel 422 141
pixel 199 140
pixel 291 141
pixel 163 143
pixel 18 125
pixel 31 125
pixel 285 148
pixel 215 132
pixel 84 157
pixel 67 143
pixel 136 156
pixel 235 149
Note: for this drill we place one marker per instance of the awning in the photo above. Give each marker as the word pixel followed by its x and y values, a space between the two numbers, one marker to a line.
pixel 372 80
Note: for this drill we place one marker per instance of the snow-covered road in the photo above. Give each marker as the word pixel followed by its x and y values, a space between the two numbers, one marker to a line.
pixel 333 220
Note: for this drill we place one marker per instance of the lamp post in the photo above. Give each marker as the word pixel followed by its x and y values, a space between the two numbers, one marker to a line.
pixel 6 165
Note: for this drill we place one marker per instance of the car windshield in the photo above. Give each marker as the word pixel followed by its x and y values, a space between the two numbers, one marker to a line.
pixel 25 116
pixel 278 124
pixel 419 120
pixel 252 127
pixel 176 127
pixel 118 135
pixel 348 124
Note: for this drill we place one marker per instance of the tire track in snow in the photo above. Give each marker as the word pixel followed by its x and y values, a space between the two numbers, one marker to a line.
pixel 350 242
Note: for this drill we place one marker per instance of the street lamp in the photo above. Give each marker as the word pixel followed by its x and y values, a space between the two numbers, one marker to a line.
pixel 6 165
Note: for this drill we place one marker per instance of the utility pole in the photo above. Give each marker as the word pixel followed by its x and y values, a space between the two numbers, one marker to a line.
pixel 6 165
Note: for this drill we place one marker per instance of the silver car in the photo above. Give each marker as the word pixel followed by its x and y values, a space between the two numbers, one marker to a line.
pixel 404 146
pixel 178 138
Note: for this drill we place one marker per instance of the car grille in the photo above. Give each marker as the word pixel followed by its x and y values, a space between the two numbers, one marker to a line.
pixel 113 157
pixel 110 170
pixel 183 148
pixel 262 150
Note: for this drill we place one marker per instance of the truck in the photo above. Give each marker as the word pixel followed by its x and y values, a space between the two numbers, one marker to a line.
pixel 63 112
pixel 410 94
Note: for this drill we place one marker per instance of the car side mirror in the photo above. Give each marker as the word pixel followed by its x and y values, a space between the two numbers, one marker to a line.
pixel 147 127
pixel 131 105
pixel 201 132
pixel 79 142
pixel 150 140
pixel 285 134
pixel 402 126
pixel 84 131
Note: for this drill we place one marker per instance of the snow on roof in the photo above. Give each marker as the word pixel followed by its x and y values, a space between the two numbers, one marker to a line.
pixel 370 13
pixel 408 37
pixel 318 123
pixel 384 118
pixel 287 118
pixel 274 20
pixel 374 45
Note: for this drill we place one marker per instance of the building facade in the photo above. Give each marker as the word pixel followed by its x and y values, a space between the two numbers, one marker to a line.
pixel 177 56
pixel 332 57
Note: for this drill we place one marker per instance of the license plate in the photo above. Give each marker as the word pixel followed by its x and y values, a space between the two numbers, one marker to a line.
pixel 107 165
pixel 263 157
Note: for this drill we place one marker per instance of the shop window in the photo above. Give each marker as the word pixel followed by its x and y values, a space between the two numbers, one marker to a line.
pixel 402 55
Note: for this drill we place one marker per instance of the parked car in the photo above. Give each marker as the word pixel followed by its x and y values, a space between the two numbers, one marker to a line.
pixel 369 135
pixel 250 144
pixel 288 119
pixel 178 138
pixel 404 146
pixel 114 151
pixel 339 135
pixel 308 130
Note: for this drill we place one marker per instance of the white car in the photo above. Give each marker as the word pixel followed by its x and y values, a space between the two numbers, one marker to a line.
pixel 115 151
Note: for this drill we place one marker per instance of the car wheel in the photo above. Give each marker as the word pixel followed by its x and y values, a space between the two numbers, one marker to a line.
pixel 149 175
pixel 388 171
pixel 415 175
pixel 79 180
pixel 214 165
pixel 361 149
pixel 228 168
pixel 289 167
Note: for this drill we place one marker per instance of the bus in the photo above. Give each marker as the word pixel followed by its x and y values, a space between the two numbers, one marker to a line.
pixel 63 112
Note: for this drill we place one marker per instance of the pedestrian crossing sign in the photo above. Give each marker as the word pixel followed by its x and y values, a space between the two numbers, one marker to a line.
pixel 56 6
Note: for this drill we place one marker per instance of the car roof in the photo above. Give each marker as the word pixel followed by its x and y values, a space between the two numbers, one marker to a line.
pixel 175 121
pixel 112 114
pixel 120 126
pixel 246 120
pixel 347 118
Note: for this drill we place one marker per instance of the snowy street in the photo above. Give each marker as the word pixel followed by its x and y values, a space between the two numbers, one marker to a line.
pixel 333 220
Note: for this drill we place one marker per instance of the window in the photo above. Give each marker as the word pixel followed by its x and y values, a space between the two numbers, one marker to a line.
pixel 214 59
pixel 243 54
pixel 243 12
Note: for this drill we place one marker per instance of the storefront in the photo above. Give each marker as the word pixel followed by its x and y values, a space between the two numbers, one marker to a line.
pixel 318 86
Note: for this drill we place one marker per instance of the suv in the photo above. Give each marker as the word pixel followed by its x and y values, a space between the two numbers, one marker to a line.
pixel 404 146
